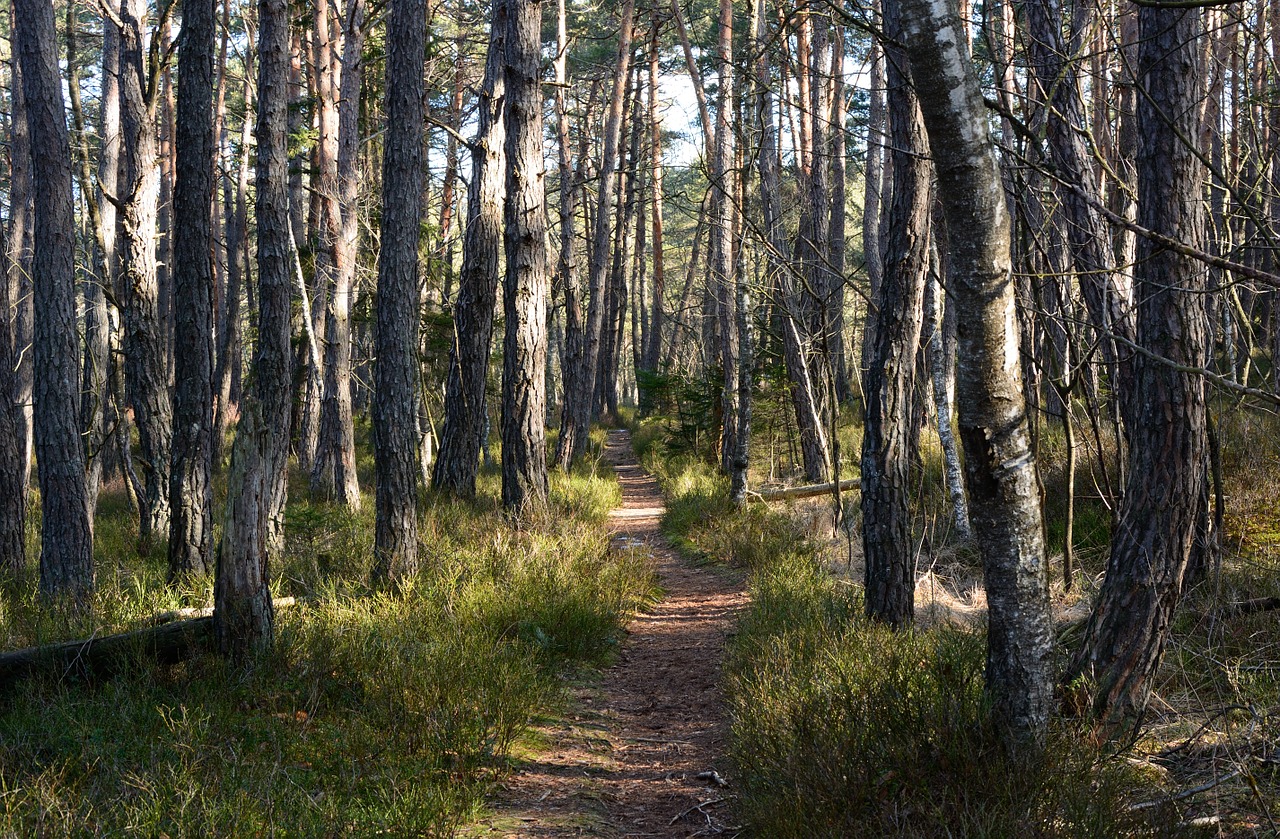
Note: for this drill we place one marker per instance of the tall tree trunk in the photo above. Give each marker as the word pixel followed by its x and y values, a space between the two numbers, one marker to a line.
pixel 524 356
pixel 236 210
pixel 334 475
pixel 834 288
pixel 1108 300
pixel 465 421
pixel 938 367
pixel 576 422
pixel 97 327
pixel 66 534
pixel 1164 502
pixel 21 250
pixel 146 374
pixel 873 197
pixel 889 382
pixel 999 464
pixel 243 615
pixel 164 110
pixel 654 346
pixel 394 407
pixel 570 182
pixel 190 490
pixel 13 495
pixel 722 271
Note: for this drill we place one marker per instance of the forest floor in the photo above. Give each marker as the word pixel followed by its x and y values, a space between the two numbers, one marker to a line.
pixel 640 752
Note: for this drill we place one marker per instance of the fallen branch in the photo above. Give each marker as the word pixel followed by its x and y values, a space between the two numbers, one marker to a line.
pixel 1247 607
pixel 1186 793
pixel 697 807
pixel 803 492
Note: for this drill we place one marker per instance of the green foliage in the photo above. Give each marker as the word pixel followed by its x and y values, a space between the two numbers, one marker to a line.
pixel 687 405
pixel 841 727
pixel 844 727
pixel 376 712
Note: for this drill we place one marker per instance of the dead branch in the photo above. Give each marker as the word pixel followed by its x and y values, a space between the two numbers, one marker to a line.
pixel 809 491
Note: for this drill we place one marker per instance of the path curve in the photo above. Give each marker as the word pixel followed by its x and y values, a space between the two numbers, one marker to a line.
pixel 642 754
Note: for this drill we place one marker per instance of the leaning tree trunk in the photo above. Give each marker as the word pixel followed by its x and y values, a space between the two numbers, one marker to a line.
pixel 889 382
pixel 394 406
pixel 145 366
pixel 334 473
pixel 190 491
pixel 576 420
pixel 999 464
pixel 66 534
pixel 524 347
pixel 1164 501
pixel 243 616
pixel 464 402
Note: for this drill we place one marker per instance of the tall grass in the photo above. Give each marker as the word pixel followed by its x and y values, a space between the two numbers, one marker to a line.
pixel 376 712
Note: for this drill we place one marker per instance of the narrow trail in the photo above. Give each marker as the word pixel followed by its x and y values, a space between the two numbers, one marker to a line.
pixel 642 753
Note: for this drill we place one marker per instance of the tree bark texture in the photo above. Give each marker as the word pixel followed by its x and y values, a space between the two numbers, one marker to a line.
pixel 576 422
pixel 524 355
pixel 889 382
pixel 464 402
pixel 145 365
pixel 1165 495
pixel 253 528
pixel 394 407
pixel 334 473
pixel 653 348
pixel 21 252
pixel 66 534
pixel 97 327
pixel 190 491
pixel 13 494
pixel 722 271
pixel 999 464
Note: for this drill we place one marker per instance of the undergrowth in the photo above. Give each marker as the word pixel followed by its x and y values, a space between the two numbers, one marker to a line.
pixel 841 727
pixel 376 712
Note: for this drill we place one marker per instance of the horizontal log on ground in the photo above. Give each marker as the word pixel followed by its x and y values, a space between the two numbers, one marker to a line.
pixel 808 491
pixel 168 643
pixel 206 611
pixel 177 635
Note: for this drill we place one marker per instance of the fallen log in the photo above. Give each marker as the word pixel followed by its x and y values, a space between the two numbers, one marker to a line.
pixel 205 611
pixel 176 636
pixel 808 491
pixel 168 643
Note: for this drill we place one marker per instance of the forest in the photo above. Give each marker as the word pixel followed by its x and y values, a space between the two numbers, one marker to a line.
pixel 516 418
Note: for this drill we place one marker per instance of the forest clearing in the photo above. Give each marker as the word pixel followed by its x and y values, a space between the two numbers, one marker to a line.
pixel 665 418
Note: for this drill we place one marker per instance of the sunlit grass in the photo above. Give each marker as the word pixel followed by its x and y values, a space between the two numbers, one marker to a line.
pixel 378 711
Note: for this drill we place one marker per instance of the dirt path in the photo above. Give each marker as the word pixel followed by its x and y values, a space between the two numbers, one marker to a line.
pixel 642 753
